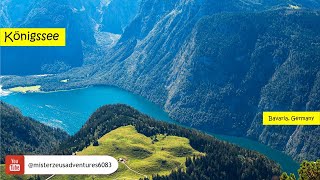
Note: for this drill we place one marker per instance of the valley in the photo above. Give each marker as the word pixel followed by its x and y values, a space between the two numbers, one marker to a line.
pixel 69 110
pixel 212 65
pixel 250 74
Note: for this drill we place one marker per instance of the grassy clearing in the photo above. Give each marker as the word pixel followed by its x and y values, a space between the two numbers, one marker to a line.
pixel 64 80
pixel 26 89
pixel 141 154
pixel 294 7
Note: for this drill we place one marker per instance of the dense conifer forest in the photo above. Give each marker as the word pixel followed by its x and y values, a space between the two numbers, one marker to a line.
pixel 309 170
pixel 23 135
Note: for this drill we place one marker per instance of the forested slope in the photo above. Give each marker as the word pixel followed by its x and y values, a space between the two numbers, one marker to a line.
pixel 23 135
pixel 221 161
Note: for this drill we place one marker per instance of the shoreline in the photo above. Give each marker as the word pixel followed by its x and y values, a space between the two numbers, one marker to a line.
pixel 236 140
pixel 4 92
pixel 61 90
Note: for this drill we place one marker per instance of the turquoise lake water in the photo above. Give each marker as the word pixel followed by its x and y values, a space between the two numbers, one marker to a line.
pixel 69 110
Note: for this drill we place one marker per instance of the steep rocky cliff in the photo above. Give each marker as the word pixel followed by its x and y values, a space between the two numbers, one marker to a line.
pixel 218 70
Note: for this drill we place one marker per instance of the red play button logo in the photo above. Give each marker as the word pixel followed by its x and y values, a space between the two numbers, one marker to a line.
pixel 14 164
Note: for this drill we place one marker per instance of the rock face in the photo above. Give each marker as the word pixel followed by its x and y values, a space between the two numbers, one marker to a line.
pixel 218 65
pixel 119 14
pixel 111 16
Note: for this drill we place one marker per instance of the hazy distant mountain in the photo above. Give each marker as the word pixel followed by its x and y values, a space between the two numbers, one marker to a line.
pixel 108 15
pixel 118 14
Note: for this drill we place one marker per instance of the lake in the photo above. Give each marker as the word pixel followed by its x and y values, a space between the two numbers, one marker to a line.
pixel 69 110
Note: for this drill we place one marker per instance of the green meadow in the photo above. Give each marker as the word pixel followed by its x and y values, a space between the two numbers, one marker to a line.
pixel 26 89
pixel 143 155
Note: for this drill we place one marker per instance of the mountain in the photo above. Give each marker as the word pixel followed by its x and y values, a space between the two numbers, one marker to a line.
pixel 221 160
pixel 107 15
pixel 119 14
pixel 216 66
pixel 82 20
pixel 220 72
pixel 23 135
